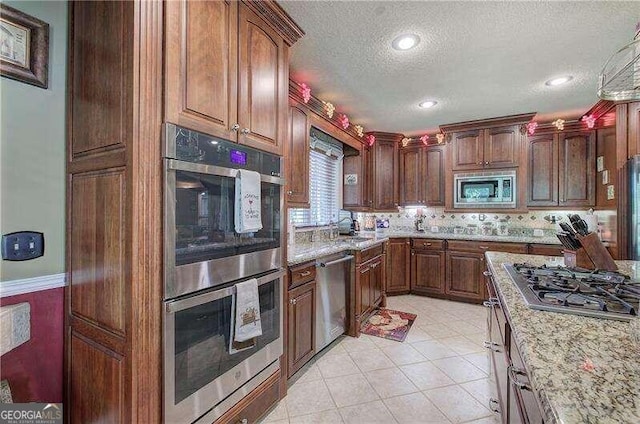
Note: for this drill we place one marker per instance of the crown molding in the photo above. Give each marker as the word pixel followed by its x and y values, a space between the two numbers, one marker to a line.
pixel 488 123
pixel 277 18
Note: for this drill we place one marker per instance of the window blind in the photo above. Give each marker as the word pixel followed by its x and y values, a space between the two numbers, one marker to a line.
pixel 325 178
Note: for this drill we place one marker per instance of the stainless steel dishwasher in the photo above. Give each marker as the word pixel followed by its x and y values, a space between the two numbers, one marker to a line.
pixel 334 275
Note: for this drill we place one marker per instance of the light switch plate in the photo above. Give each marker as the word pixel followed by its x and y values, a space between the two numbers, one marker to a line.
pixel 605 177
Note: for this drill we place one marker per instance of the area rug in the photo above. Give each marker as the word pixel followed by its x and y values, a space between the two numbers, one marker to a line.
pixel 389 324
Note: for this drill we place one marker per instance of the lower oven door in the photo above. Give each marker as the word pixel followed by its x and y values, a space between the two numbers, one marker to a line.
pixel 199 371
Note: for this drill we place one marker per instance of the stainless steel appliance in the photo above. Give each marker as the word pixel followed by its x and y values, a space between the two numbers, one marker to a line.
pixel 202 249
pixel 495 189
pixel 634 208
pixel 600 294
pixel 201 376
pixel 333 277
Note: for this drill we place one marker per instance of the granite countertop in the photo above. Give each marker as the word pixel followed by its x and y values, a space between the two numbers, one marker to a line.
pixel 554 346
pixel 307 252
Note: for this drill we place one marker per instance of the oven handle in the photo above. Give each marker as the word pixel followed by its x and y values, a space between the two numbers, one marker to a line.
pixel 179 305
pixel 216 170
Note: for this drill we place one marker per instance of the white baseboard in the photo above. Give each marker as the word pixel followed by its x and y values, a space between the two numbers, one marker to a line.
pixel 29 285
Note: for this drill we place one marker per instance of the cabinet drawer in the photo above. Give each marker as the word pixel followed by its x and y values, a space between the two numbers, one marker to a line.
pixel 370 253
pixel 483 246
pixel 301 274
pixel 546 249
pixel 255 404
pixel 427 244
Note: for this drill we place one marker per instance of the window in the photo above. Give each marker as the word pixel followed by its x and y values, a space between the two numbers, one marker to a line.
pixel 325 178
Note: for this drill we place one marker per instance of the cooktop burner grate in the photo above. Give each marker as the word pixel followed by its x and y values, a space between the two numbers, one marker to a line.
pixel 603 294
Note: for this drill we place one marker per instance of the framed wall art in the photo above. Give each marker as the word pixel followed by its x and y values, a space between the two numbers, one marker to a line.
pixel 24 47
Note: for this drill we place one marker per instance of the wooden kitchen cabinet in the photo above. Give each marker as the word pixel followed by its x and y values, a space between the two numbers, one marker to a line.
pixel 301 329
pixel 464 275
pixel 358 196
pixel 368 292
pixel 562 170
pixel 497 147
pixel 411 175
pixel 543 171
pixel 297 157
pixel 421 176
pixel 398 266
pixel 576 174
pixel 202 57
pixel 428 270
pixel 227 72
pixel 384 171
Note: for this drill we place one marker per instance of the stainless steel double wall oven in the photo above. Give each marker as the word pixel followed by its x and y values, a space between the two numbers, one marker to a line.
pixel 204 259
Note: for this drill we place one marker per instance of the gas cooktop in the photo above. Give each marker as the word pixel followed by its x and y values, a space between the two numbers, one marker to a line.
pixel 600 294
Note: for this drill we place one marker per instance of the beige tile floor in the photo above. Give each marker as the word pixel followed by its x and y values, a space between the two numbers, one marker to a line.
pixel 439 374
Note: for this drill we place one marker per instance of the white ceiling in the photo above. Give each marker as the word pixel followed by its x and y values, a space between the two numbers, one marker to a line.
pixel 477 59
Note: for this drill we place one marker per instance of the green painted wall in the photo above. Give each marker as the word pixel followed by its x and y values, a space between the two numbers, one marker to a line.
pixel 32 151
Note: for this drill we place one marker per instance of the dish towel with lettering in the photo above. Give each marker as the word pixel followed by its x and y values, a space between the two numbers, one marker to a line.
pixel 248 216
pixel 247 319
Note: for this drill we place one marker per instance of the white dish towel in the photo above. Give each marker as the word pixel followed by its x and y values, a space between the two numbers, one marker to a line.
pixel 248 215
pixel 247 319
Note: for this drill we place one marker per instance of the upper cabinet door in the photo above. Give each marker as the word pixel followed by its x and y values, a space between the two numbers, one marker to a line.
pixel 263 84
pixel 543 171
pixel 467 150
pixel 434 176
pixel 411 177
pixel 501 147
pixel 576 170
pixel 297 156
pixel 385 171
pixel 201 57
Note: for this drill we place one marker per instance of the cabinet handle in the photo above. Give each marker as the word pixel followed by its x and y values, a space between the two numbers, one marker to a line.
pixel 235 127
pixel 408 242
pixel 491 345
pixel 427 244
pixel 305 274
pixel 243 421
pixel 487 274
pixel 495 408
pixel 245 131
pixel 483 247
pixel 293 301
pixel 487 304
pixel 513 373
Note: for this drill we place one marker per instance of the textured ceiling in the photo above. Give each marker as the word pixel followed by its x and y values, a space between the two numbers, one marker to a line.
pixel 477 59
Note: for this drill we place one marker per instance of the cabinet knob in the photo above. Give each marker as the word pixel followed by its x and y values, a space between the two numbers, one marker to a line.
pixel 235 127
pixel 290 192
pixel 245 131
pixel 305 274
pixel 487 274
pixel 408 242
pixel 486 163
pixel 293 301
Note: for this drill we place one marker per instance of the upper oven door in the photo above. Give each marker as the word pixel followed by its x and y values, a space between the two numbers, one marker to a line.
pixel 202 248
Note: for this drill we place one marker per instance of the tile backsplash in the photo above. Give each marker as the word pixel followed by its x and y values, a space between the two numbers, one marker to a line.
pixel 518 223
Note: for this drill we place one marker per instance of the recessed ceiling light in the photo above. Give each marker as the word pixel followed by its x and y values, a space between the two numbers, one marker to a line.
pixel 405 41
pixel 559 81
pixel 427 104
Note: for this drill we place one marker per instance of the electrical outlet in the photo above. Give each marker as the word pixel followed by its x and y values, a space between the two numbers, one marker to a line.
pixel 22 246
pixel 611 193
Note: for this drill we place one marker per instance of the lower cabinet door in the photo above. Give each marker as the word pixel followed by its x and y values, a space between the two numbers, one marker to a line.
pixel 464 275
pixel 377 275
pixel 301 326
pixel 427 272
pixel 364 279
pixel 398 268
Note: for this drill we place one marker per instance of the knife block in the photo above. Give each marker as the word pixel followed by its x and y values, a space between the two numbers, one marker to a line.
pixel 592 255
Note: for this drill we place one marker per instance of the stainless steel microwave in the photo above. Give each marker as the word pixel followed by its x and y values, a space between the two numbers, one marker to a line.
pixel 485 189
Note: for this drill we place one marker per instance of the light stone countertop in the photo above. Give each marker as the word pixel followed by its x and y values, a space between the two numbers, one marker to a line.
pixel 307 252
pixel 555 345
